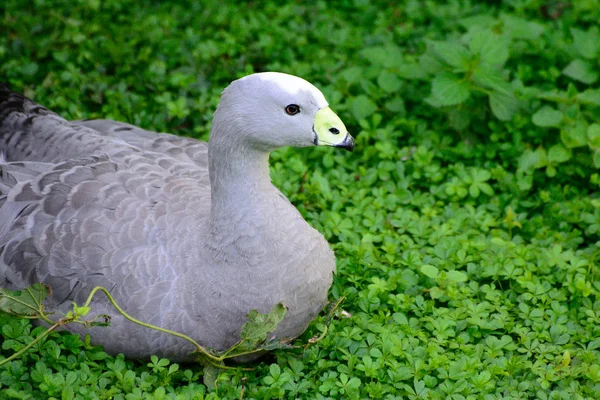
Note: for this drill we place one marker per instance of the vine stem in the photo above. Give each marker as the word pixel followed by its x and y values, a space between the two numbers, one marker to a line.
pixel 35 341
pixel 150 326
pixel 216 361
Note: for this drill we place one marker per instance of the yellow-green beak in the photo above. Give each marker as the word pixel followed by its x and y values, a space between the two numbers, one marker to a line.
pixel 329 130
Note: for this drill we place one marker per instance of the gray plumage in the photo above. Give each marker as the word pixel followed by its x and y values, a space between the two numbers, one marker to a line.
pixel 185 235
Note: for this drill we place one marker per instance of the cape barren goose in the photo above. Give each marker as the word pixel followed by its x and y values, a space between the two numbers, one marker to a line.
pixel 185 235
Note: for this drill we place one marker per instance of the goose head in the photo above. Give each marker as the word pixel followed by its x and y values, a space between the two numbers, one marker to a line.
pixel 269 110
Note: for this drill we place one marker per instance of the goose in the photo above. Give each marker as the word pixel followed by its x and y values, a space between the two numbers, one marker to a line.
pixel 186 235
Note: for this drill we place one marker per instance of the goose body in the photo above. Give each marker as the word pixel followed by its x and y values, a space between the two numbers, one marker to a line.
pixel 185 235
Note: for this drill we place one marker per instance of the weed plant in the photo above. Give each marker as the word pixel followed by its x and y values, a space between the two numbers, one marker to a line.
pixel 466 224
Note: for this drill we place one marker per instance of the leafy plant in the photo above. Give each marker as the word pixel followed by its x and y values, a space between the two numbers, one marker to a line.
pixel 28 303
pixel 465 224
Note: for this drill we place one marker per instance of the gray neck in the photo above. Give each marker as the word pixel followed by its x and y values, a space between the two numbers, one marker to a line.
pixel 239 180
pixel 243 198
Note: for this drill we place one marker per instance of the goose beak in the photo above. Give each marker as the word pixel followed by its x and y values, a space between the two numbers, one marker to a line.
pixel 329 130
pixel 347 143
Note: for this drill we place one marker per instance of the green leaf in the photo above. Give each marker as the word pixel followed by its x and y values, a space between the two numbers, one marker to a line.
pixel 519 28
pixel 597 159
pixel 590 97
pixel 430 64
pixel 388 82
pixel 210 376
pixel 575 135
pixel 456 276
pixel 24 303
pixel 491 77
pixel 275 370
pixel 353 74
pixel 258 326
pixel 394 58
pixel 582 71
pixel 67 393
pixel 542 155
pixel 572 90
pixel 481 175
pixel 388 56
pixel 477 21
pixel 503 106
pixel 448 90
pixel 557 96
pixel 453 54
pixel 377 55
pixel 29 69
pixel 276 344
pixel 486 188
pixel 411 71
pixel 459 119
pixel 593 135
pixel 558 154
pixel 547 117
pixel 474 191
pixel 362 107
pixel 80 311
pixel 430 271
pixel 370 89
pixel 491 48
pixel 432 101
pixel 396 105
pixel 587 43
pixel 400 318
pixel 528 160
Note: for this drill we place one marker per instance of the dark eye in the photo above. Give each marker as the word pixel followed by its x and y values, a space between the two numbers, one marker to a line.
pixel 292 109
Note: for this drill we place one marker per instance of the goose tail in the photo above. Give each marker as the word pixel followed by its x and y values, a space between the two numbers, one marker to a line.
pixel 12 102
pixel 27 129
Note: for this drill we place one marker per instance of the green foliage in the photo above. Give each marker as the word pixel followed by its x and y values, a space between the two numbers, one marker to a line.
pixel 28 303
pixel 256 329
pixel 24 303
pixel 466 223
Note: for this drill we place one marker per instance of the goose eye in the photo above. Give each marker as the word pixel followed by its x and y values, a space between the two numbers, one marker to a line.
pixel 292 109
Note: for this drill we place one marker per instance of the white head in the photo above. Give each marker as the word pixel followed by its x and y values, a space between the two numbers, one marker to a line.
pixel 270 110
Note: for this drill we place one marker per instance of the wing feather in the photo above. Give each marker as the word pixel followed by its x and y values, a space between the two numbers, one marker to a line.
pixel 93 222
pixel 177 147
